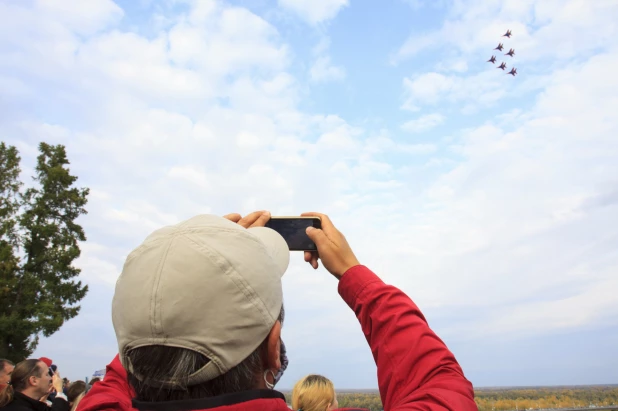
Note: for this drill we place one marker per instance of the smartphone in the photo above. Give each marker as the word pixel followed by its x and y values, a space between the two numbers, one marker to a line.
pixel 293 230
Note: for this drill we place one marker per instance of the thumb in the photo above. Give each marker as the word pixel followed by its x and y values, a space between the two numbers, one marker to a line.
pixel 316 235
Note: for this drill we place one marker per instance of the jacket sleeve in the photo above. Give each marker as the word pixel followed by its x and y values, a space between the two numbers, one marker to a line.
pixel 60 404
pixel 416 371
pixel 113 393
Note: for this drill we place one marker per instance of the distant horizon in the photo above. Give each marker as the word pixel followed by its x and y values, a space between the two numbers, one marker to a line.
pixel 352 390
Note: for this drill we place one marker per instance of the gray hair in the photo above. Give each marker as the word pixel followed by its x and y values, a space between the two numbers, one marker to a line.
pixel 158 363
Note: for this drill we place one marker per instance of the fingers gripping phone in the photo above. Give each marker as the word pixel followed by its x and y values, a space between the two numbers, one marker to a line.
pixel 293 230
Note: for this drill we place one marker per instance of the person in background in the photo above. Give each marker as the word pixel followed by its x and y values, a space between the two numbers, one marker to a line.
pixel 91 383
pixel 49 397
pixel 6 369
pixel 65 385
pixel 314 393
pixel 75 392
pixel 30 383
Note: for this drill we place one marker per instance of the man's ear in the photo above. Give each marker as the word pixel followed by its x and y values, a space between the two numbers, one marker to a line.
pixel 273 360
pixel 32 380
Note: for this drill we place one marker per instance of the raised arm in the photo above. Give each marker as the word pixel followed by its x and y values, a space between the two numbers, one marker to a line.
pixel 416 371
pixel 60 402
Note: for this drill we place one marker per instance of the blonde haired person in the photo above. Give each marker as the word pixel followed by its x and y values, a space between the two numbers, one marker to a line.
pixel 314 393
pixel 317 393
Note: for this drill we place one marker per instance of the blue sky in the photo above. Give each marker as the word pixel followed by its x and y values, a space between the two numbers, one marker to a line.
pixel 491 200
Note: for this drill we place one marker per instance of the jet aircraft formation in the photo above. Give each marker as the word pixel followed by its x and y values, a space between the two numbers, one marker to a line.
pixel 510 53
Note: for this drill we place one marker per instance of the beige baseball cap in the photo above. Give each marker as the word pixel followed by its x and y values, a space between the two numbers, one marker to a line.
pixel 206 284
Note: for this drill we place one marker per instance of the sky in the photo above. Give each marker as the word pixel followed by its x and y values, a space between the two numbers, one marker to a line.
pixel 491 200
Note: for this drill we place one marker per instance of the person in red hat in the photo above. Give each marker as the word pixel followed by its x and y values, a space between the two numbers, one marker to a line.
pixel 49 397
pixel 30 382
pixel 47 361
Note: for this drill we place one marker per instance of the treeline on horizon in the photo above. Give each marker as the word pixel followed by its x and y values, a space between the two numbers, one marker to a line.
pixel 545 398
pixel 499 399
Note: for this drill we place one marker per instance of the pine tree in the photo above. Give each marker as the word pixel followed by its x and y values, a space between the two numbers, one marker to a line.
pixel 39 240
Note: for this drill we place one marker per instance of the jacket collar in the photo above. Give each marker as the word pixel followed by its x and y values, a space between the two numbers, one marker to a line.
pixel 208 403
pixel 35 404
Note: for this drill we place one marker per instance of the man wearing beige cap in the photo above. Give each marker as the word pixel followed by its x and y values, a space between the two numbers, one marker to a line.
pixel 198 311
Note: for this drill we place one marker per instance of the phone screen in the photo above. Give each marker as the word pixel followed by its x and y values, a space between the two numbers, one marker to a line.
pixel 293 230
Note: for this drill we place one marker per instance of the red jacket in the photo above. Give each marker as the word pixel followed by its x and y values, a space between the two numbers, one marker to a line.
pixel 416 371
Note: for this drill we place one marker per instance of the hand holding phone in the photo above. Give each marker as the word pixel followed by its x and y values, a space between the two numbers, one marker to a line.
pixel 294 231
pixel 332 248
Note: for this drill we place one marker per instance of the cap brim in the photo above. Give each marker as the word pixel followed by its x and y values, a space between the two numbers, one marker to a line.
pixel 276 245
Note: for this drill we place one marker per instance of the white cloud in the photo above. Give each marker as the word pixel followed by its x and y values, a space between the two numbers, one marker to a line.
pixel 322 70
pixel 474 27
pixel 322 47
pixel 314 11
pixel 516 217
pixel 239 39
pixel 85 17
pixel 423 123
pixel 456 65
pixel 174 63
pixel 192 174
pixel 426 88
pixel 419 4
pixel 98 271
pixel 417 148
pixel 482 89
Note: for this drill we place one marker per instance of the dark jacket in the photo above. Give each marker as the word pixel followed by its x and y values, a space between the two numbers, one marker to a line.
pixel 22 402
pixel 416 371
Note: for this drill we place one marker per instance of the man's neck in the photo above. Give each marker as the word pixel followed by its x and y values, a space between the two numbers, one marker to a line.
pixel 31 393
